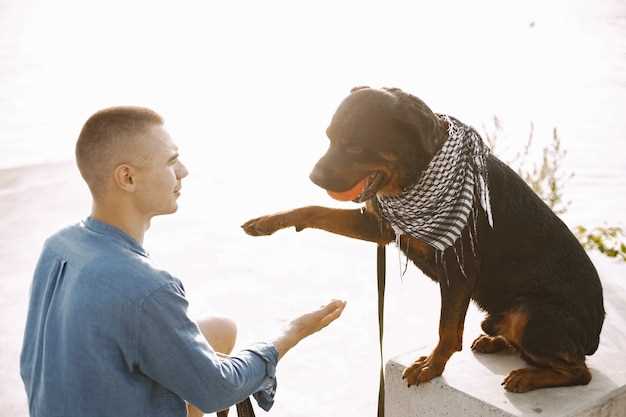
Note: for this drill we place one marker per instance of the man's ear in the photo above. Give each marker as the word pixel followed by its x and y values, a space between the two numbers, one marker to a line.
pixel 124 177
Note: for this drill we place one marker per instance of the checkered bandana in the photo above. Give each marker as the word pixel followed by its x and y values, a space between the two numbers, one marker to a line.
pixel 437 207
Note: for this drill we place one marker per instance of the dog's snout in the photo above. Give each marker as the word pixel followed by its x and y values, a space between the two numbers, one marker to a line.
pixel 317 177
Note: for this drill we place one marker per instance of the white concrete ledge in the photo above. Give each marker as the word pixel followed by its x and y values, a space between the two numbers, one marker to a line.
pixel 471 387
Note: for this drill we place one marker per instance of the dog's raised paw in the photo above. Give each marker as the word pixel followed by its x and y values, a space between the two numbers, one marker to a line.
pixel 263 226
pixel 255 227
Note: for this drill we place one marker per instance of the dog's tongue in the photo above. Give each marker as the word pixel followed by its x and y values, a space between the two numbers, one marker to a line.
pixel 352 193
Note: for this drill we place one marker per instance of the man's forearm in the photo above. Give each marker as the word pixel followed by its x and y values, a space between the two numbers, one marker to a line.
pixel 287 340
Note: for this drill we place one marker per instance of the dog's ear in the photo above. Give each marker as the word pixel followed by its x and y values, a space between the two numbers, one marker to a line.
pixel 413 114
pixel 360 87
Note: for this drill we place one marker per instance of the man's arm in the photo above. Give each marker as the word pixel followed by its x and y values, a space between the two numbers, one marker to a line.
pixel 171 351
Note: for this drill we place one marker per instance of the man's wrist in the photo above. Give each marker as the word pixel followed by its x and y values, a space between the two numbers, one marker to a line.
pixel 287 340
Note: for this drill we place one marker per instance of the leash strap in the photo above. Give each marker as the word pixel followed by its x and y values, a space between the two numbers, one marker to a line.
pixel 244 409
pixel 380 272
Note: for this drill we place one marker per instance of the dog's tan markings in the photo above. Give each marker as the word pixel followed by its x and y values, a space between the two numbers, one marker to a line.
pixel 490 344
pixel 454 302
pixel 528 379
pixel 417 247
pixel 512 326
pixel 428 367
pixel 561 369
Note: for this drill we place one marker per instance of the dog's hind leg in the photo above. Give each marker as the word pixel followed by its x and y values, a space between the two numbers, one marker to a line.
pixel 495 326
pixel 545 343
pixel 559 370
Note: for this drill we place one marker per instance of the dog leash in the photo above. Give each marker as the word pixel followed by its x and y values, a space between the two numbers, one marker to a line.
pixel 380 272
pixel 244 409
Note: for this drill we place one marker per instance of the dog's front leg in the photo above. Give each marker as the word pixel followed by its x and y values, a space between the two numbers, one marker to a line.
pixel 455 297
pixel 355 223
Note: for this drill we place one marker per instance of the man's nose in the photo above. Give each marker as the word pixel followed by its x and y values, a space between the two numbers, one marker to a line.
pixel 182 171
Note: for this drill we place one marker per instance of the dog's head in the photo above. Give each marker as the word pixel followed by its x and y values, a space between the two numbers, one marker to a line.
pixel 380 142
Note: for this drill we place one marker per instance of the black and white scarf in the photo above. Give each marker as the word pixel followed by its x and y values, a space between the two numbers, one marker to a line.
pixel 437 208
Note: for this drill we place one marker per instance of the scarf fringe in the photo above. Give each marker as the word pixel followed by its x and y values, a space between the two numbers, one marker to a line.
pixel 406 258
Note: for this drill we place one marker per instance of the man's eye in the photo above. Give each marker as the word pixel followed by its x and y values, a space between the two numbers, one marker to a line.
pixel 354 150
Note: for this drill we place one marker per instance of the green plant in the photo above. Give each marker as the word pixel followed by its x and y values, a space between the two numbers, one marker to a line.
pixel 548 179
pixel 607 240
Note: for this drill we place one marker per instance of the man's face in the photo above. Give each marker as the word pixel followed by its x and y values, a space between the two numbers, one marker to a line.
pixel 159 174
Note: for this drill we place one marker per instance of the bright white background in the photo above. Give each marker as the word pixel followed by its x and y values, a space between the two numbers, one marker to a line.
pixel 247 89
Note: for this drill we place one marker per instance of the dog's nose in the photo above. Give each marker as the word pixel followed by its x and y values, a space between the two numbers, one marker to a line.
pixel 317 178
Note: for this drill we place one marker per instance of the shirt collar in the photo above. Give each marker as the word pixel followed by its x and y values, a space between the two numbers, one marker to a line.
pixel 115 233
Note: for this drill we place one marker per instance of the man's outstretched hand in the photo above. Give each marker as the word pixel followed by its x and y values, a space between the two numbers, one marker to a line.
pixel 307 324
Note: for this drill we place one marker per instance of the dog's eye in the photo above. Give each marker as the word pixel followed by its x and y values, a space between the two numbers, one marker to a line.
pixel 354 150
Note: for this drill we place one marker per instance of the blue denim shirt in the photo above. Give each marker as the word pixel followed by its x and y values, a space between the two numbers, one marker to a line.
pixel 108 335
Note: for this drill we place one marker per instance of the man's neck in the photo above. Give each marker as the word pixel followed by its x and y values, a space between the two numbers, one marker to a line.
pixel 130 223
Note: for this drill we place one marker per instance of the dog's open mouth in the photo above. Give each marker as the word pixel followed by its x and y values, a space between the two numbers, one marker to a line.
pixel 362 190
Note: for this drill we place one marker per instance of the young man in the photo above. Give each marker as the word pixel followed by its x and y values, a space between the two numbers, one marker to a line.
pixel 107 332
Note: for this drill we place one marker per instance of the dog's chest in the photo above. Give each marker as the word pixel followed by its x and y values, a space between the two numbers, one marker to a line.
pixel 422 255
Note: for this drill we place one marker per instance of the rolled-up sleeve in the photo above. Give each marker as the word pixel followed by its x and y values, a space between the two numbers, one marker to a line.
pixel 171 350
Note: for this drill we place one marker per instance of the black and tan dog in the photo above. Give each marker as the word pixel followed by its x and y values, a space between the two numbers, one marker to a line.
pixel 539 288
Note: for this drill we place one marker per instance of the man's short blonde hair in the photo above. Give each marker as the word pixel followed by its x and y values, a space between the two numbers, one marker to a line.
pixel 107 138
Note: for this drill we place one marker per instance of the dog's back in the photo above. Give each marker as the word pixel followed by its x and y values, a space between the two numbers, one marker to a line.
pixel 541 261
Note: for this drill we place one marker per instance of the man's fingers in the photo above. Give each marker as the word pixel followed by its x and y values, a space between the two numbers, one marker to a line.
pixel 329 319
pixel 333 314
pixel 334 304
pixel 318 319
pixel 334 307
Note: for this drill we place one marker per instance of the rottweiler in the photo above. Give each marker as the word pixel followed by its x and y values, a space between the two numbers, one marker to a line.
pixel 518 261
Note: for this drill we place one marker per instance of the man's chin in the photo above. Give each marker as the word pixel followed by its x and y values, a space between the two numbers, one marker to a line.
pixel 170 210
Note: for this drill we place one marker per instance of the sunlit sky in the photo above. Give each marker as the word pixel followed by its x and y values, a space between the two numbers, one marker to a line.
pixel 248 88
pixel 271 72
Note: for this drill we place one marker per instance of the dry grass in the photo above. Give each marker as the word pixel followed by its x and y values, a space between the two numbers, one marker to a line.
pixel 548 179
